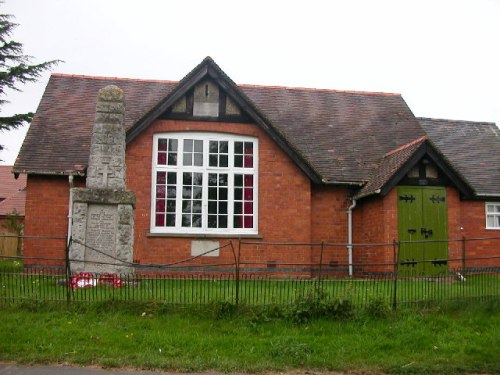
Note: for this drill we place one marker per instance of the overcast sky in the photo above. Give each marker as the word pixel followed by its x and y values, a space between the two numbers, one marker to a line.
pixel 442 56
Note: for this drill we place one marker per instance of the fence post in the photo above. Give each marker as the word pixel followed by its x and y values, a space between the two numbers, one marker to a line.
pixel 68 271
pixel 320 272
pixel 463 253
pixel 237 270
pixel 395 249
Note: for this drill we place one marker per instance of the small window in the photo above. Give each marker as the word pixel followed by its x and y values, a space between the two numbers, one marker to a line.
pixel 492 215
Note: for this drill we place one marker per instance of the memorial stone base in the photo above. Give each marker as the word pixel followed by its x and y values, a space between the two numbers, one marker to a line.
pixel 103 231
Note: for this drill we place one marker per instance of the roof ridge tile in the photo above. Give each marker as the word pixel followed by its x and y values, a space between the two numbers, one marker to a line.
pixel 105 78
pixel 407 145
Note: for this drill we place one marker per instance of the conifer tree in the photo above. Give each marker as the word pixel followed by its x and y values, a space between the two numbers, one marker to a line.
pixel 15 69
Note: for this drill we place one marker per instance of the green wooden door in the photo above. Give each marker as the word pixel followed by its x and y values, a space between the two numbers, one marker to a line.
pixel 422 216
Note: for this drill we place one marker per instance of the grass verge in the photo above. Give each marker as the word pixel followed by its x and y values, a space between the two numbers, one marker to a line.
pixel 454 339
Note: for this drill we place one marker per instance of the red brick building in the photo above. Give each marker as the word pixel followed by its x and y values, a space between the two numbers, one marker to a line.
pixel 291 170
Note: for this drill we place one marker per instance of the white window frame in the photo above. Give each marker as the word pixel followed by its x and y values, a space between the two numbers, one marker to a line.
pixel 491 214
pixel 231 170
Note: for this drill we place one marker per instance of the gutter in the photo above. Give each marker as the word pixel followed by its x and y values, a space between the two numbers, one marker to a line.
pixel 349 235
pixel 70 209
pixel 333 182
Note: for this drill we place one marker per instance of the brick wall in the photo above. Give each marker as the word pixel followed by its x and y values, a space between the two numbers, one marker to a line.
pixel 329 226
pixel 375 222
pixel 473 222
pixel 46 216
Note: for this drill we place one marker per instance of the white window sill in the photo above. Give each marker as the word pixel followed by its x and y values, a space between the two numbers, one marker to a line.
pixel 203 235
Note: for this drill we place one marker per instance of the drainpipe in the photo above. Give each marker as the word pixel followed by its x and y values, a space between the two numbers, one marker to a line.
pixel 70 209
pixel 349 235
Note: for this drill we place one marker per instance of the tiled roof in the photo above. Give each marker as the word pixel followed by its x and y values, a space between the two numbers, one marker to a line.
pixel 340 134
pixel 12 191
pixel 473 148
pixel 58 140
pixel 390 165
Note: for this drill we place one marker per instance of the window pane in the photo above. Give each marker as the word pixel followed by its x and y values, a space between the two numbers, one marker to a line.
pixel 248 161
pixel 197 192
pixel 172 159
pixel 197 221
pixel 162 158
pixel 161 178
pixel 212 193
pixel 171 192
pixel 213 147
pixel 248 222
pixel 198 160
pixel 160 205
pixel 170 220
pixel 160 220
pixel 223 161
pixel 171 178
pixel 223 221
pixel 212 221
pixel 172 145
pixel 248 208
pixel 224 149
pixel 186 206
pixel 188 145
pixel 238 194
pixel 162 144
pixel 238 180
pixel 238 161
pixel 198 146
pixel 160 191
pixel 171 205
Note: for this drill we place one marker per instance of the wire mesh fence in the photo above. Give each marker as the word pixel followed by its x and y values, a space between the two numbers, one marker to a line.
pixel 192 282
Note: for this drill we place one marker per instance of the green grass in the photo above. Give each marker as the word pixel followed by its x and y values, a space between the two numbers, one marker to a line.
pixel 452 339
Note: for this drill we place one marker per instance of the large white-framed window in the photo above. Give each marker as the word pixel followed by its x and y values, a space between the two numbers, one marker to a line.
pixel 204 183
pixel 492 215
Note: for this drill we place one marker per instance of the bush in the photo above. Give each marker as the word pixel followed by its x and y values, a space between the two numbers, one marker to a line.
pixel 223 310
pixel 378 308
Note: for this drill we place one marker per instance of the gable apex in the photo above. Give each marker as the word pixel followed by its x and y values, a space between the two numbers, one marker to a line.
pixel 209 71
pixel 398 164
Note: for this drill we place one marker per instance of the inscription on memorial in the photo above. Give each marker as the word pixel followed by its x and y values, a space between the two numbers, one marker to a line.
pixel 101 233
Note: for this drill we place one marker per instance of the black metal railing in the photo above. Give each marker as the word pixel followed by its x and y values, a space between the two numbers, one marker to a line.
pixel 240 281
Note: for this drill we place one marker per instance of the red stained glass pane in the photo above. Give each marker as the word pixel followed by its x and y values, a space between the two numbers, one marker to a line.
pixel 248 161
pixel 160 191
pixel 248 180
pixel 248 208
pixel 160 205
pixel 248 220
pixel 162 158
pixel 248 194
pixel 160 220
pixel 248 148
pixel 161 178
